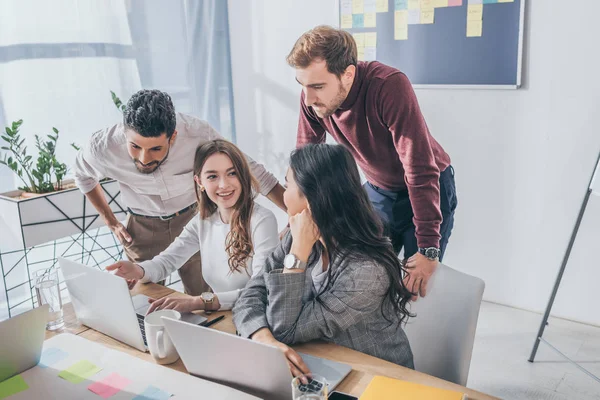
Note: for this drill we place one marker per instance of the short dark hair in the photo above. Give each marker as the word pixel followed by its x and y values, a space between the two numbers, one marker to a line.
pixel 337 47
pixel 150 113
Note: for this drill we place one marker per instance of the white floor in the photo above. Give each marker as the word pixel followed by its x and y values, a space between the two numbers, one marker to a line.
pixel 503 343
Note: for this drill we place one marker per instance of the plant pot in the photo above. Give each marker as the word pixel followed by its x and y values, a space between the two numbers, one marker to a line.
pixel 27 222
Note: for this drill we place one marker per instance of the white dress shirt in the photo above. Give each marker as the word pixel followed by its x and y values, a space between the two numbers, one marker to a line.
pixel 209 236
pixel 168 189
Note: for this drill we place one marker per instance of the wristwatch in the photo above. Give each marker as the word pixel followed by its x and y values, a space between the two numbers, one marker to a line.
pixel 208 298
pixel 292 262
pixel 432 253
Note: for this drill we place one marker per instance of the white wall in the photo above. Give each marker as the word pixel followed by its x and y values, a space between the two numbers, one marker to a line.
pixel 523 158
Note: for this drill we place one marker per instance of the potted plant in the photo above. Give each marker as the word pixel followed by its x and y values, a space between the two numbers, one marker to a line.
pixel 46 207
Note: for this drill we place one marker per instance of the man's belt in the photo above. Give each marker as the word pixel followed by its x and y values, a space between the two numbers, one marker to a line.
pixel 168 217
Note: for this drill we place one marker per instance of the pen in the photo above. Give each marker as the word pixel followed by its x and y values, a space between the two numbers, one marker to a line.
pixel 206 324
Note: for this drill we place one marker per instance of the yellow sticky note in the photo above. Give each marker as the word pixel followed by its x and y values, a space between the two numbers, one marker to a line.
pixel 346 21
pixel 382 6
pixel 427 16
pixel 371 39
pixel 426 4
pixel 358 6
pixel 370 20
pixel 440 3
pixel 361 53
pixel 475 12
pixel 474 28
pixel 413 4
pixel 359 38
pixel 401 25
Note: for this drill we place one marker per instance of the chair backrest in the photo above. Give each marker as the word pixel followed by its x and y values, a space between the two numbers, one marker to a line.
pixel 441 335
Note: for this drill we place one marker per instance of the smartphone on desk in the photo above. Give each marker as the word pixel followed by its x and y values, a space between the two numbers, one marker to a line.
pixel 335 395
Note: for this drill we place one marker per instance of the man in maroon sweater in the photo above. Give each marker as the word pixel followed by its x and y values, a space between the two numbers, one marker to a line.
pixel 372 109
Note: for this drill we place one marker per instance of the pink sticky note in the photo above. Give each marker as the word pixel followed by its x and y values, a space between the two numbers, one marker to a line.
pixel 454 3
pixel 109 386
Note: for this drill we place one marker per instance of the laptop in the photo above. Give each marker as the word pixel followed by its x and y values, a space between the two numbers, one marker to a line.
pixel 246 365
pixel 102 301
pixel 22 341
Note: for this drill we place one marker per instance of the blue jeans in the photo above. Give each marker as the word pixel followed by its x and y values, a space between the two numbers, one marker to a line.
pixel 395 210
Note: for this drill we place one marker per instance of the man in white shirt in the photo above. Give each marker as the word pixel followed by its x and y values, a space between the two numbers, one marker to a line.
pixel 151 155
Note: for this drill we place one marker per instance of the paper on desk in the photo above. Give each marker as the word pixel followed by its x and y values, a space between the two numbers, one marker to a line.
pixel 153 393
pixel 13 385
pixel 109 386
pixel 79 371
pixel 51 356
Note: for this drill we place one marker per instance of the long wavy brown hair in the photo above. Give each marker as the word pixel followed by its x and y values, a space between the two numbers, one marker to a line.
pixel 238 243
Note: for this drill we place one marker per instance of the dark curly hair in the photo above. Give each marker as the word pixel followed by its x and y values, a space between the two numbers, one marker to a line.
pixel 150 113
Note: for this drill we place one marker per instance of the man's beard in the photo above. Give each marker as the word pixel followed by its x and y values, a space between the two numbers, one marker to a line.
pixel 156 164
pixel 335 103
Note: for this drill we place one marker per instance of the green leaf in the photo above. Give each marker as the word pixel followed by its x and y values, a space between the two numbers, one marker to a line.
pixel 10 160
pixel 55 130
pixel 8 131
pixel 6 139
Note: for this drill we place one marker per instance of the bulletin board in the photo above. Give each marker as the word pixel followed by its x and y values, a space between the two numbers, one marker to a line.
pixel 441 43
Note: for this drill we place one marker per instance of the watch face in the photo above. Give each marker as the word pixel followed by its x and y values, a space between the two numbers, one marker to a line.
pixel 432 252
pixel 207 296
pixel 289 261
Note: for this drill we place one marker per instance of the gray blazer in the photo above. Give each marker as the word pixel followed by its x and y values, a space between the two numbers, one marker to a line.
pixel 347 313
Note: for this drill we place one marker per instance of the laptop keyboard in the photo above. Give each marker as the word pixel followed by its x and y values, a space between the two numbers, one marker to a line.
pixel 142 327
pixel 313 386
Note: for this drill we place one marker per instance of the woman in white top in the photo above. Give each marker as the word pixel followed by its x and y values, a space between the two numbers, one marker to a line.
pixel 233 233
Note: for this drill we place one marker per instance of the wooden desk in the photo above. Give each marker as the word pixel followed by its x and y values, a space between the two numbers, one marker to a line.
pixel 364 367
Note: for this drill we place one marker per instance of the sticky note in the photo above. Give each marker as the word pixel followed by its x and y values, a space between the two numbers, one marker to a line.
pixel 370 6
pixel 13 385
pixel 346 7
pixel 359 38
pixel 475 12
pixel 426 4
pixel 109 386
pixel 474 28
pixel 413 4
pixel 489 1
pixel 414 17
pixel 454 3
pixel 370 20
pixel 506 1
pixel 401 25
pixel 475 1
pixel 153 393
pixel 346 21
pixel 400 5
pixel 358 20
pixel 51 356
pixel 440 3
pixel 381 6
pixel 361 53
pixel 427 16
pixel 79 371
pixel 358 6
pixel 370 53
pixel 370 39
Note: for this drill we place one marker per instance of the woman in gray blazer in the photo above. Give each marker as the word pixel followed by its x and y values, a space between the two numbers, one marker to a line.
pixel 334 276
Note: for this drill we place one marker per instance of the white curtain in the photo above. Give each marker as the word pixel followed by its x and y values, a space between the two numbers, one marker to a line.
pixel 60 59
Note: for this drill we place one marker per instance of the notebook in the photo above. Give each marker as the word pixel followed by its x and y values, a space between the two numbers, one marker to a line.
pixel 382 388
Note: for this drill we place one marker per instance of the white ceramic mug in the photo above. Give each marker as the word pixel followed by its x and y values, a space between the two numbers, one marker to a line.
pixel 159 343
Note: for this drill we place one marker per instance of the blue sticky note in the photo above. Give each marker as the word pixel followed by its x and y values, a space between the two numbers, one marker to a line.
pixel 358 20
pixel 401 4
pixel 153 393
pixel 489 1
pixel 51 356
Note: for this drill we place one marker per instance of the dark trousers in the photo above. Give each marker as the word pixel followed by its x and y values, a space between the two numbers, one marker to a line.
pixel 395 210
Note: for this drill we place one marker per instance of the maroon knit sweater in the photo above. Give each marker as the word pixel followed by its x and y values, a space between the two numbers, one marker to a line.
pixel 381 123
